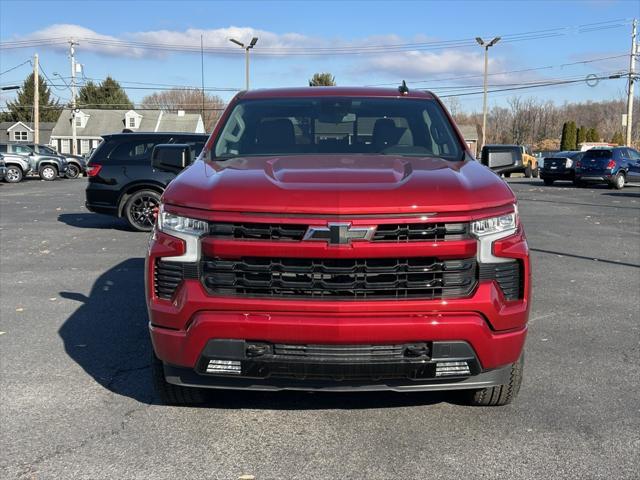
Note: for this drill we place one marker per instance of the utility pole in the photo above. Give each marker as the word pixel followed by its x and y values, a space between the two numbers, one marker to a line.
pixel 632 66
pixel 486 46
pixel 36 100
pixel 74 133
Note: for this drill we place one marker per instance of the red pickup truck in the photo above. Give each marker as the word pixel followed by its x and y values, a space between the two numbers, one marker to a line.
pixel 336 239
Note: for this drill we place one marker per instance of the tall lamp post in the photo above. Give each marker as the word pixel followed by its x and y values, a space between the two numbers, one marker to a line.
pixel 248 47
pixel 486 46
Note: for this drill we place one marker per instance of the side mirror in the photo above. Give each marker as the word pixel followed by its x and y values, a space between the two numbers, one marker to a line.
pixel 172 157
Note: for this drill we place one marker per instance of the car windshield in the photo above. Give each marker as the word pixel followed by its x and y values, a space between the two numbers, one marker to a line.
pixel 299 126
pixel 47 150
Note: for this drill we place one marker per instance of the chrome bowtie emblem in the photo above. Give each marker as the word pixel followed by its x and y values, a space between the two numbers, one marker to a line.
pixel 338 233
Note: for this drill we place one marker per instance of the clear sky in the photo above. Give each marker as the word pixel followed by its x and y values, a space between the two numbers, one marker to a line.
pixel 294 29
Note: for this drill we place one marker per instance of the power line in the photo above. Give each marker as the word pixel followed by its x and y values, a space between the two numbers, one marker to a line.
pixel 17 66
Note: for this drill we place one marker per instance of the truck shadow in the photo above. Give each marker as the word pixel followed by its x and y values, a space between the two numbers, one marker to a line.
pixel 107 337
pixel 94 221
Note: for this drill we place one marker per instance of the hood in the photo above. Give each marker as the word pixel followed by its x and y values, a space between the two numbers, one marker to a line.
pixel 338 184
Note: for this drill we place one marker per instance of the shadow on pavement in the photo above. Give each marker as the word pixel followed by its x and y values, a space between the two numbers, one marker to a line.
pixel 623 194
pixel 107 336
pixel 93 220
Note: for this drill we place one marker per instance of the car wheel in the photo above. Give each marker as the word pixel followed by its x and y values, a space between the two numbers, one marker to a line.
pixel 140 210
pixel 619 181
pixel 501 394
pixel 528 172
pixel 578 183
pixel 173 394
pixel 72 171
pixel 536 172
pixel 13 175
pixel 547 181
pixel 48 173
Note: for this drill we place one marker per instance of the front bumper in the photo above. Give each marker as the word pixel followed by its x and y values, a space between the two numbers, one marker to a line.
pixel 189 378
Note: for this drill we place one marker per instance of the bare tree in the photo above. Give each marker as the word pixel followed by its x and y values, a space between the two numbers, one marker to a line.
pixel 189 100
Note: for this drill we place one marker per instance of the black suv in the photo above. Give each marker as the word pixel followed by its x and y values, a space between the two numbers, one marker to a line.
pixel 121 180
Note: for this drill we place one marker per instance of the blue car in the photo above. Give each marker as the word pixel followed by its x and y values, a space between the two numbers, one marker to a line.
pixel 614 166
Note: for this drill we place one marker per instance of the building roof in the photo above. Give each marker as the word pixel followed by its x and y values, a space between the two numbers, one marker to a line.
pixel 102 122
pixel 469 132
pixel 333 92
pixel 45 130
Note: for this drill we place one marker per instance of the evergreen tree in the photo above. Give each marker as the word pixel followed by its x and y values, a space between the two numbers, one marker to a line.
pixel 21 109
pixel 581 135
pixel 106 95
pixel 617 138
pixel 322 80
pixel 563 138
pixel 569 136
pixel 593 135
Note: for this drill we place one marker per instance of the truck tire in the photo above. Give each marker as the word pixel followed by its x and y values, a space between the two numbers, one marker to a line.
pixel 501 394
pixel 173 394
pixel 13 175
pixel 528 172
pixel 73 171
pixel 139 210
pixel 48 173
pixel 536 172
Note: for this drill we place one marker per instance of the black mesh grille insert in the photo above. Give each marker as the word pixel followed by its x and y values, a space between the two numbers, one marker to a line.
pixel 404 232
pixel 508 275
pixel 427 278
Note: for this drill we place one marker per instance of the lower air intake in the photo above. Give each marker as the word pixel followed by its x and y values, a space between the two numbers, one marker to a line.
pixel 446 369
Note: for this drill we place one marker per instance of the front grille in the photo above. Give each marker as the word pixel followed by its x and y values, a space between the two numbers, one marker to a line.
pixel 351 353
pixel 403 232
pixel 508 275
pixel 427 278
pixel 406 232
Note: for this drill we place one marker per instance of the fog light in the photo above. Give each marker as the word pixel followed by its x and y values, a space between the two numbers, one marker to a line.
pixel 444 369
pixel 232 367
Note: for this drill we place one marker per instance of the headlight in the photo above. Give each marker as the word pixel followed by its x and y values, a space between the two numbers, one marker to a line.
pixel 488 226
pixel 169 222
pixel 568 163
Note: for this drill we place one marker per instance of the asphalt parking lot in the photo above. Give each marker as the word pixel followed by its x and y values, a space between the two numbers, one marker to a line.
pixel 77 402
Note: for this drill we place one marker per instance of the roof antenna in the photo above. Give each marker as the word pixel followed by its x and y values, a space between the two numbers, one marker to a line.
pixel 403 89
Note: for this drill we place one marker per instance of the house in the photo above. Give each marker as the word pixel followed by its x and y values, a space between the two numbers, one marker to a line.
pixel 91 124
pixel 470 134
pixel 13 132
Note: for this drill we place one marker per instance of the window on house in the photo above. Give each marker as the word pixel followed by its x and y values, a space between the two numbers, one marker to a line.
pixel 20 136
pixel 85 146
pixel 132 122
pixel 66 146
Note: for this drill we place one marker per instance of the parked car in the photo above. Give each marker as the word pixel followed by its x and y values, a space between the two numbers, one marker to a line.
pixel 614 166
pixel 336 239
pixel 76 164
pixel 121 180
pixel 3 168
pixel 48 167
pixel 559 166
pixel 18 167
pixel 508 159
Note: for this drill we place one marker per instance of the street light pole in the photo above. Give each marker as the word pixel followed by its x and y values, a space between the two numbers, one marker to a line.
pixel 486 46
pixel 246 48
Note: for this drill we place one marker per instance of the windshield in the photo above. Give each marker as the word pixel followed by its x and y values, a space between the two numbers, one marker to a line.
pixel 298 126
pixel 48 150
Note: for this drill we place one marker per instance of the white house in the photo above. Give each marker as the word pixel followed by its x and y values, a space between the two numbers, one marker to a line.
pixel 91 124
